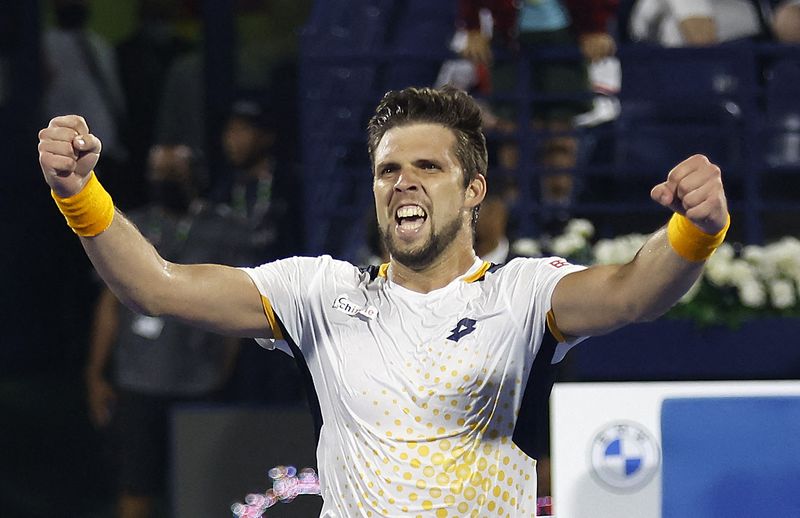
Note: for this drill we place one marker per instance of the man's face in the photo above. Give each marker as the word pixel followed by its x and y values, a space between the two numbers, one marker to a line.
pixel 244 143
pixel 172 184
pixel 420 198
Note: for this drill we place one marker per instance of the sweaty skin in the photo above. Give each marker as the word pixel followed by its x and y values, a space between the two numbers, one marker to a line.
pixel 415 166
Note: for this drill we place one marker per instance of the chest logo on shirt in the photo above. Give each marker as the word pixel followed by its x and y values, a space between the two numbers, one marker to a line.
pixel 346 306
pixel 464 327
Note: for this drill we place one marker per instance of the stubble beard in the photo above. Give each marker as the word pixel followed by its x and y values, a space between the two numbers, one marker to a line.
pixel 422 256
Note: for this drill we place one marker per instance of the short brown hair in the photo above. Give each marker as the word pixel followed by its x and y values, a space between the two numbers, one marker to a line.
pixel 447 106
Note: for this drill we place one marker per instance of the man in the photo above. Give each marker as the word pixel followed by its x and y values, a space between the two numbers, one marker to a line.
pixel 259 190
pixel 419 365
pixel 695 23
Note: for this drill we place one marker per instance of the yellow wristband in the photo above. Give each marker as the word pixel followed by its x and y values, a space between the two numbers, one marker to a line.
pixel 690 242
pixel 88 212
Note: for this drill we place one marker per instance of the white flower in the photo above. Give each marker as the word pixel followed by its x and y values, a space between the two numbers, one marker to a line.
pixel 526 247
pixel 782 293
pixel 719 266
pixel 723 272
pixel 763 259
pixel 619 250
pixel 566 245
pixel 581 227
pixel 604 251
pixel 752 294
pixel 787 256
pixel 763 276
pixel 754 254
pixel 741 272
pixel 724 252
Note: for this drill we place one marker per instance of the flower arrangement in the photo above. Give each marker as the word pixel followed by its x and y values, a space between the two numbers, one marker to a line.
pixel 739 282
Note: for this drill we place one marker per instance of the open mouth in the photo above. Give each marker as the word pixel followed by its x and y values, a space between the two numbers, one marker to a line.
pixel 410 217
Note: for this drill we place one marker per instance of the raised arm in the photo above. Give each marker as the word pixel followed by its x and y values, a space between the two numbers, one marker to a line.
pixel 603 298
pixel 214 297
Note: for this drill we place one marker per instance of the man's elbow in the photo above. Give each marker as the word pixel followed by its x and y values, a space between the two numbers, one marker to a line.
pixel 148 306
pixel 648 313
pixel 623 311
pixel 152 299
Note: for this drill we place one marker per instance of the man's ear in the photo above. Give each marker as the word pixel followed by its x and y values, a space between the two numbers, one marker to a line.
pixel 476 191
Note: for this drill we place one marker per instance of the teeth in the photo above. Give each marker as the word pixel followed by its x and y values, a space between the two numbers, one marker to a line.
pixel 410 211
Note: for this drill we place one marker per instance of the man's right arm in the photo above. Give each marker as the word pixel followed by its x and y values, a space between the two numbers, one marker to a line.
pixel 214 297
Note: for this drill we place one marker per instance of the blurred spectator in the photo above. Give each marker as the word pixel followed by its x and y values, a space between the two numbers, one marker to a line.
pixel 139 366
pixel 686 23
pixel 262 58
pixel 787 21
pixel 257 191
pixel 144 60
pixel 492 242
pixel 261 197
pixel 182 118
pixel 531 25
pixel 260 204
pixel 181 111
pixel 81 77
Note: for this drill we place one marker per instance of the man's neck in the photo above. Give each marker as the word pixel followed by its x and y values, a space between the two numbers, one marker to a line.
pixel 450 265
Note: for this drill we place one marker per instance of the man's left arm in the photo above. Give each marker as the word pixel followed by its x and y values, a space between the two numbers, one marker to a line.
pixel 603 298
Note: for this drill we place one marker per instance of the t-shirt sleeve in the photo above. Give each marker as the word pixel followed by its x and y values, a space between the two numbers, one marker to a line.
pixel 530 284
pixel 285 287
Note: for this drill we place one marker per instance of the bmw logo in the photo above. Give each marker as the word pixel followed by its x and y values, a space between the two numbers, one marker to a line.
pixel 624 456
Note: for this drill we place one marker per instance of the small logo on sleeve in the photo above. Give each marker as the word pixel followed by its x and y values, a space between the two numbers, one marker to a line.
pixel 348 307
pixel 558 263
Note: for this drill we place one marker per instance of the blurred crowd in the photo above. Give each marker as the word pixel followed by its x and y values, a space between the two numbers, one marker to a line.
pixel 575 94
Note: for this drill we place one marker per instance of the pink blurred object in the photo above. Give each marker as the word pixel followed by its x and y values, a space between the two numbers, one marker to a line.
pixel 544 506
pixel 287 484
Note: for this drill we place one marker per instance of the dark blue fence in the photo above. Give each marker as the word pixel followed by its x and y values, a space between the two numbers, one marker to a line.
pixel 737 103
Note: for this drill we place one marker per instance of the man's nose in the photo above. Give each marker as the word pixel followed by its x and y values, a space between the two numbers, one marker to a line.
pixel 407 180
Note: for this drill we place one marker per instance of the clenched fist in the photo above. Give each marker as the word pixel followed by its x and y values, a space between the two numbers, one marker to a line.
pixel 67 154
pixel 694 189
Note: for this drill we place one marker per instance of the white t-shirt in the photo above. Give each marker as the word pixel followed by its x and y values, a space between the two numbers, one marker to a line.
pixel 418 393
pixel 659 20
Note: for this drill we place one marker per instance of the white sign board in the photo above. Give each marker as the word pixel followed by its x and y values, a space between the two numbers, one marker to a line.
pixel 606 442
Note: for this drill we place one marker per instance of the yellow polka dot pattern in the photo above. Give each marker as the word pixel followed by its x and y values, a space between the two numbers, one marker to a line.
pixel 491 478
pixel 440 452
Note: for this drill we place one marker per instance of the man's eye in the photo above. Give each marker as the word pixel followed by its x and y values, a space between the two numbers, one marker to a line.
pixel 430 165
